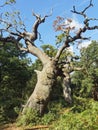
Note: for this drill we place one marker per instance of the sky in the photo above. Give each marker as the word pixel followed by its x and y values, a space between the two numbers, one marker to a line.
pixel 60 8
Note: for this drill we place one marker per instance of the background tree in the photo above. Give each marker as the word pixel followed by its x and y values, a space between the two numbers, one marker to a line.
pixel 14 76
pixel 86 80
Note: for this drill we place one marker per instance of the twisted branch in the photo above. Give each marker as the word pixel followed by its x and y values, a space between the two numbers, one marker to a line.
pixel 83 11
pixel 78 35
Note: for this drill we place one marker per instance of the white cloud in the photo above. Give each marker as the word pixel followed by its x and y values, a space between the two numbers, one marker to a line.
pixel 75 23
pixel 84 44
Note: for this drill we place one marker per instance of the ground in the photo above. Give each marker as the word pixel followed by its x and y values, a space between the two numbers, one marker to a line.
pixel 10 127
pixel 14 127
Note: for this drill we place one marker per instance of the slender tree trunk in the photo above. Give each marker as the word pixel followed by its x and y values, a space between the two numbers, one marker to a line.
pixel 66 84
pixel 41 94
pixel 67 89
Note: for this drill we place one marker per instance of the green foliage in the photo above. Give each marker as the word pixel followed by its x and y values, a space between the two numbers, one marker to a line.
pixel 14 75
pixel 87 78
pixel 10 2
pixel 30 117
pixel 80 104
pixel 87 85
pixel 87 119
pixel 48 118
pixel 60 38
pixel 82 116
pixel 49 50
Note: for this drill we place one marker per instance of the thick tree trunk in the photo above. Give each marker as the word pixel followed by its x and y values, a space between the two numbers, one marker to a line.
pixel 41 94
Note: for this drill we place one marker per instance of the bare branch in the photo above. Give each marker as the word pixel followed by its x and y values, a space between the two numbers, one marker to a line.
pixel 74 11
pixel 39 20
pixel 78 35
pixel 7 23
pixel 24 27
pixel 34 35
pixel 49 14
pixel 93 28
pixel 87 7
pixel 85 38
pixel 65 45
pixel 82 12
pixel 36 15
pixel 40 39
pixel 11 33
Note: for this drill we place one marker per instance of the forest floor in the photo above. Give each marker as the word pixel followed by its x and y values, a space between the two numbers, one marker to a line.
pixel 14 127
pixel 10 127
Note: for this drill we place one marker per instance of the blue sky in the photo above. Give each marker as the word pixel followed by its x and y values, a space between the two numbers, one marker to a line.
pixel 60 8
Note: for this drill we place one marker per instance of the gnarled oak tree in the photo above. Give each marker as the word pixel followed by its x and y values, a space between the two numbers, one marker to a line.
pixel 51 65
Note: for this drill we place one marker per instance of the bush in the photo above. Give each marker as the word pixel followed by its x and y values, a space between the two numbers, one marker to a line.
pixel 48 118
pixel 86 119
pixel 29 118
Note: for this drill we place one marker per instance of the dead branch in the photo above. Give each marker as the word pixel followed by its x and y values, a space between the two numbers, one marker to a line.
pixel 14 36
pixel 83 11
pixel 49 14
pixel 27 36
pixel 39 20
pixel 78 35
pixel 31 37
pixel 7 23
pixel 24 27
pixel 65 45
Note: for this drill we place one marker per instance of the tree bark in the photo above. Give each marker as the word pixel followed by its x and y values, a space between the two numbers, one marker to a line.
pixel 67 89
pixel 66 84
pixel 41 94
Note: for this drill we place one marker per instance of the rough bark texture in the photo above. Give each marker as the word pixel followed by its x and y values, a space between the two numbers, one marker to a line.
pixel 66 84
pixel 67 89
pixel 45 81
